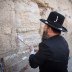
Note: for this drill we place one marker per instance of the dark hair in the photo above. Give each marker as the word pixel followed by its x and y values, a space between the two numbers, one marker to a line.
pixel 55 30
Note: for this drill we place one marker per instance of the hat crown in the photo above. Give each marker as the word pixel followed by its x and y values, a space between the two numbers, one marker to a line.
pixel 56 18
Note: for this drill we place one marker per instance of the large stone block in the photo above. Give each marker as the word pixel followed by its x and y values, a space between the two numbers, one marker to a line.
pixel 27 15
pixel 7 33
pixel 25 40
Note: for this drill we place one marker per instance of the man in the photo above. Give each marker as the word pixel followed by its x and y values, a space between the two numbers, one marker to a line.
pixel 53 52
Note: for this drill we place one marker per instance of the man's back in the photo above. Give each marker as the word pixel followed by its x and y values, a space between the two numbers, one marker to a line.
pixel 58 48
pixel 52 55
pixel 50 66
pixel 56 53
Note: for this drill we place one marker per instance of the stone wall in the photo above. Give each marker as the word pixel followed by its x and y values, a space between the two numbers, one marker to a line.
pixel 20 28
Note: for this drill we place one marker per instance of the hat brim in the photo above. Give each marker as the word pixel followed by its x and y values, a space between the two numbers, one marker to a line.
pixel 61 28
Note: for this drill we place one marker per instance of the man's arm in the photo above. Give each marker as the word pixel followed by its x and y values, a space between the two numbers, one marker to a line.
pixel 37 59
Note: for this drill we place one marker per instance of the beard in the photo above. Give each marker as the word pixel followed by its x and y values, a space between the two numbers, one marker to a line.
pixel 44 36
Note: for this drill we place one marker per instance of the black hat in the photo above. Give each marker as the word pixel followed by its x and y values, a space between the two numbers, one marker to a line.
pixel 55 20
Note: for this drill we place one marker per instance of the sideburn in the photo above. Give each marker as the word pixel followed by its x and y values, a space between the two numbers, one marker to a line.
pixel 44 36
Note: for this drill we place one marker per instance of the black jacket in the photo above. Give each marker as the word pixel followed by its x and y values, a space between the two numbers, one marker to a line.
pixel 52 55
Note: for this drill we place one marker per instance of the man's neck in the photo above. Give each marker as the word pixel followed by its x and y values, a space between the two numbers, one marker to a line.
pixel 54 34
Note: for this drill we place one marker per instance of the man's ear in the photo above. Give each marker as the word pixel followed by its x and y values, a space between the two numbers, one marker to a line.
pixel 50 29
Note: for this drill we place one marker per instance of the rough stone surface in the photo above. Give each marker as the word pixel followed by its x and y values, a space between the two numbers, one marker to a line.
pixel 20 28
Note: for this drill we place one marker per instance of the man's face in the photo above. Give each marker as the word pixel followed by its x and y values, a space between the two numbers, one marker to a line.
pixel 45 32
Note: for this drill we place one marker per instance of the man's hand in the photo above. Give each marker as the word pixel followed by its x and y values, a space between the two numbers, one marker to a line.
pixel 32 50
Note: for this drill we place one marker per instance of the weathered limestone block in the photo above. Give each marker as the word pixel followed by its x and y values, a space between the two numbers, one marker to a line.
pixel 7 33
pixel 27 15
pixel 6 30
pixel 28 39
pixel 41 3
pixel 4 45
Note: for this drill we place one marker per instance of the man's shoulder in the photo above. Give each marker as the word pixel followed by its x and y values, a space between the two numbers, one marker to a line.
pixel 54 41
